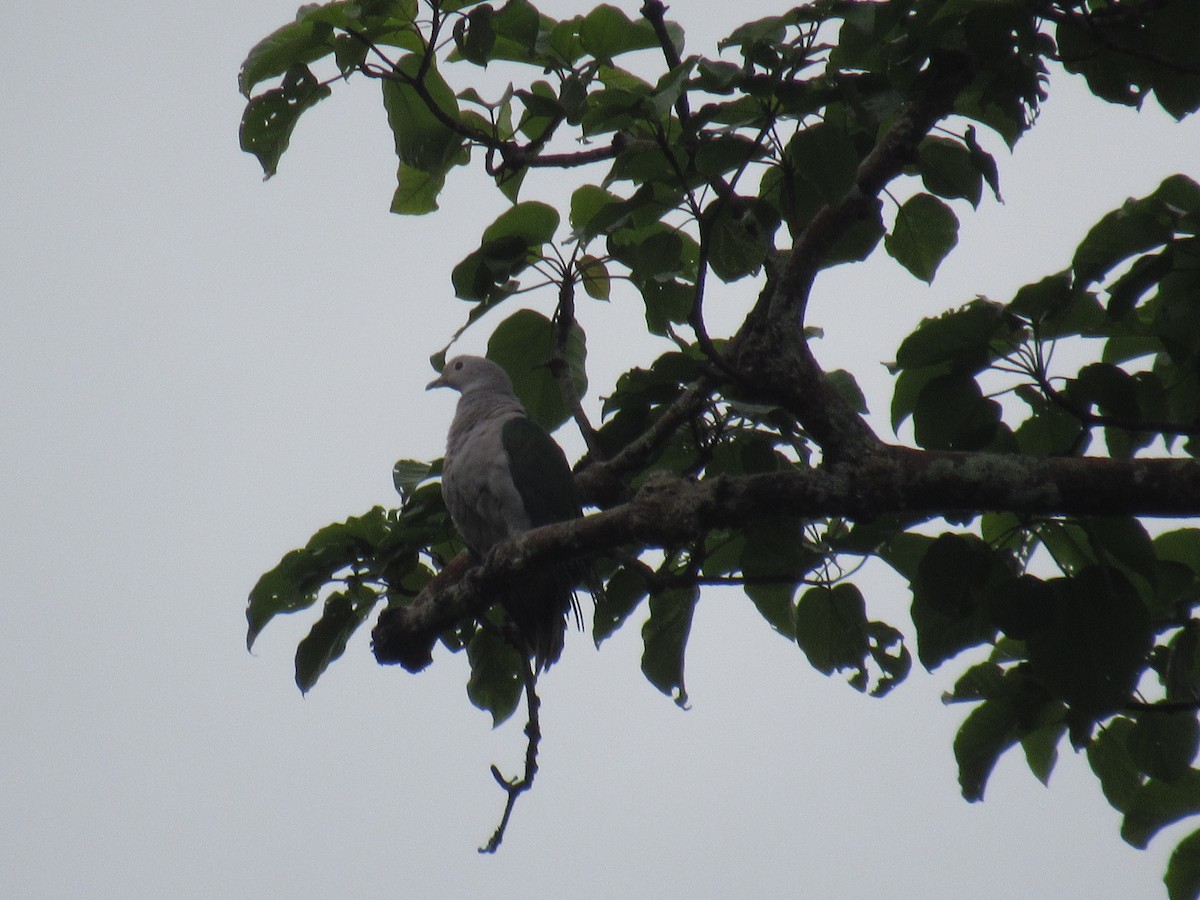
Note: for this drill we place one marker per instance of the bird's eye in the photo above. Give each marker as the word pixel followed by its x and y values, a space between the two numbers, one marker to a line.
pixel 458 366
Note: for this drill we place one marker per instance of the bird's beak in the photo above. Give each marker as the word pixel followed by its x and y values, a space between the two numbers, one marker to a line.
pixel 436 383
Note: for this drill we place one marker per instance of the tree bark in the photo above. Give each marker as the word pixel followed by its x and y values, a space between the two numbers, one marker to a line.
pixel 670 510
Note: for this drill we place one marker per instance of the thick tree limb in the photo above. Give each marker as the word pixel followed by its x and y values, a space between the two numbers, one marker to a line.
pixel 948 74
pixel 769 351
pixel 777 364
pixel 671 511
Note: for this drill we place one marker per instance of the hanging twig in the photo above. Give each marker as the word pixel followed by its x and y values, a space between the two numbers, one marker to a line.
pixel 517 786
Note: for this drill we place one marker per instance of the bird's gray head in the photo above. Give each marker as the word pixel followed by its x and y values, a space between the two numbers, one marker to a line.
pixel 467 374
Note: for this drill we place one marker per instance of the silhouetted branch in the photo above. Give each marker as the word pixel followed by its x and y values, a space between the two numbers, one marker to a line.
pixel 670 511
pixel 516 787
pixel 564 320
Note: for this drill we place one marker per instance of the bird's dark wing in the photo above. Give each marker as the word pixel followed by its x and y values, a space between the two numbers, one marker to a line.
pixel 547 489
pixel 540 473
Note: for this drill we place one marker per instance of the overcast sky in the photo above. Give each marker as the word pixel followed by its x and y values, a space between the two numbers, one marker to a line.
pixel 198 370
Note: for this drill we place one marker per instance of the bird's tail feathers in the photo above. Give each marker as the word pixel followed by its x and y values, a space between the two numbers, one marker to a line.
pixel 539 609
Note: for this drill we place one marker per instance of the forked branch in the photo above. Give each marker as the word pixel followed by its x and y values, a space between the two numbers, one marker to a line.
pixel 516 787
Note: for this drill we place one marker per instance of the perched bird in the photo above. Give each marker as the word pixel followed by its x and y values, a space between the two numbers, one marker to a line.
pixel 503 475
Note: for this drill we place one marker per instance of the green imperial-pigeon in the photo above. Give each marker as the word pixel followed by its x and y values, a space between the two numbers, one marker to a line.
pixel 503 475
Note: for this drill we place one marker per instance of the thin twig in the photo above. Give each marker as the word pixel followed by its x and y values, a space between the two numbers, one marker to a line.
pixel 517 786
pixel 654 12
pixel 514 156
pixel 564 320
pixel 1164 706
pixel 602 482
pixel 1036 368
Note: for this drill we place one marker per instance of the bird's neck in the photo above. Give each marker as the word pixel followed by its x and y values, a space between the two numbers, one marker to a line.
pixel 475 408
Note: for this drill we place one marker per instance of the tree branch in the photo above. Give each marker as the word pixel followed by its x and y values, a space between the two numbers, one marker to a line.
pixel 654 12
pixel 602 483
pixel 516 787
pixel 564 321
pixel 769 351
pixel 1087 418
pixel 671 511
pixel 947 75
pixel 514 155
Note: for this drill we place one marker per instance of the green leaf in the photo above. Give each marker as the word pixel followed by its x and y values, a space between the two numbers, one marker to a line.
pixel 1139 225
pixel 774 551
pixel 496 681
pixel 475 35
pixel 344 612
pixel 1110 759
pixel 524 345
pixel 655 252
pixel 588 203
pixel 1044 298
pixel 925 230
pixel 960 337
pixel 1050 431
pixel 988 731
pixel 294 583
pixel 848 387
pixel 909 385
pixel 739 237
pixel 952 414
pixel 533 222
pixel 1181 545
pixel 1125 541
pixel 1183 869
pixel 887 649
pixel 1156 804
pixel 667 303
pixel 622 595
pixel 593 275
pixel 1182 678
pixel 423 141
pixel 269 119
pixel 1164 744
pixel 825 159
pixel 416 191
pixel 1176 321
pixel 1018 606
pixel 290 586
pixel 509 245
pixel 984 163
pixel 671 86
pixel 904 553
pixel 774 603
pixel 348 52
pixel 1093 647
pixel 770 29
pixel 948 170
pixel 407 474
pixel 1041 750
pixel 1146 273
pixel 980 682
pixel 949 588
pixel 831 628
pixel 516 26
pixel 298 43
pixel 1015 709
pixel 858 241
pixel 665 637
pixel 606 32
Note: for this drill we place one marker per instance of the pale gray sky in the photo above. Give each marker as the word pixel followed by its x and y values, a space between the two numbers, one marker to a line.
pixel 198 370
